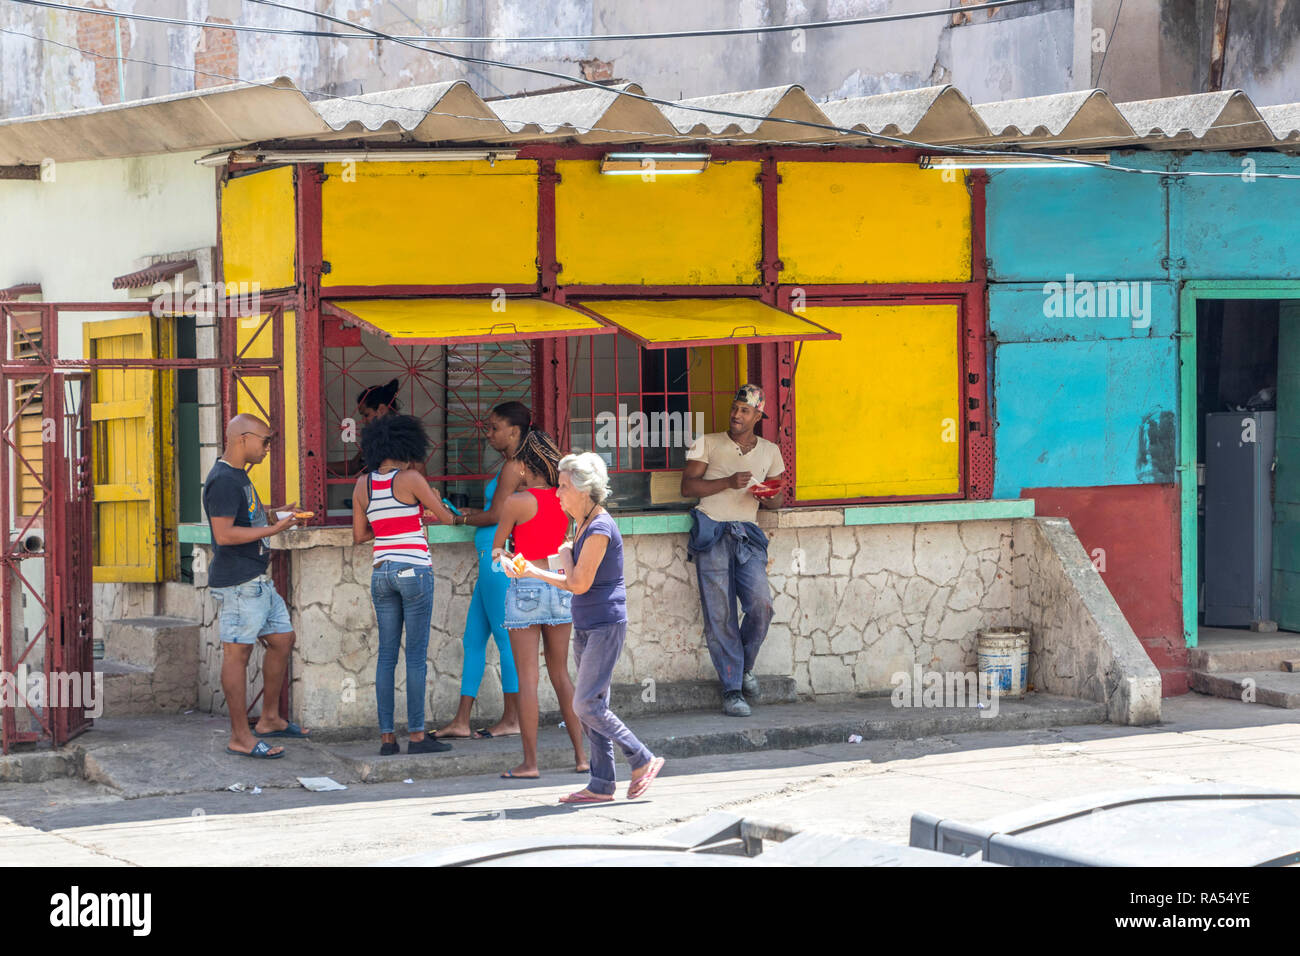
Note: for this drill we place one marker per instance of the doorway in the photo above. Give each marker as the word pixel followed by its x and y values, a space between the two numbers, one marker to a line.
pixel 1240 458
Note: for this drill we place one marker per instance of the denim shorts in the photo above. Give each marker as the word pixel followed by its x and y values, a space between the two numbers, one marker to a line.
pixel 530 602
pixel 250 610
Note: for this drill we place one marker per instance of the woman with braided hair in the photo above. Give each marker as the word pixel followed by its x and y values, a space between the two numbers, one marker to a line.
pixel 538 526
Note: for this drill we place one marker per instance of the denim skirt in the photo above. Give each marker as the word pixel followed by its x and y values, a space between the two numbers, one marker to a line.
pixel 530 602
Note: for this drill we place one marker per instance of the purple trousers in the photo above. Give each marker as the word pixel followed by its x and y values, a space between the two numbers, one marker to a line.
pixel 596 652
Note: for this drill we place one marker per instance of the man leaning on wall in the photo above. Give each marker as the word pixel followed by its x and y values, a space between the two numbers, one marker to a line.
pixel 724 470
pixel 251 609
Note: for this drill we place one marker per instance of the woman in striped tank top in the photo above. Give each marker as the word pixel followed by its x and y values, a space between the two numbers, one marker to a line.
pixel 388 505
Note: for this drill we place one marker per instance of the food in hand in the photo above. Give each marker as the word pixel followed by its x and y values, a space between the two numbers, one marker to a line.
pixel 520 563
pixel 767 489
pixel 304 515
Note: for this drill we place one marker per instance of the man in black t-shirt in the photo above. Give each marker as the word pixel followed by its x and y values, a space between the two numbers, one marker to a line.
pixel 251 609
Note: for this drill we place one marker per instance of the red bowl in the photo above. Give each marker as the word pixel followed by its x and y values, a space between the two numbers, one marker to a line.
pixel 767 489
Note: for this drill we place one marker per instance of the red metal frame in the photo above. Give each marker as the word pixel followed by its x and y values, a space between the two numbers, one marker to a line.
pixel 640 392
pixel 425 291
pixel 772 364
pixel 308 264
pixel 62 517
pixel 438 390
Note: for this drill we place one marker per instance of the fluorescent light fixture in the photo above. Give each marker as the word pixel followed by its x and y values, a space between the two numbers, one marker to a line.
pixel 1011 161
pixel 354 156
pixel 649 165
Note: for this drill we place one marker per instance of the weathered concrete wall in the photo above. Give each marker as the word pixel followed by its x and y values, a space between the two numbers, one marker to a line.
pixel 1154 49
pixel 142 207
pixel 1024 51
pixel 852 607
pixel 1080 643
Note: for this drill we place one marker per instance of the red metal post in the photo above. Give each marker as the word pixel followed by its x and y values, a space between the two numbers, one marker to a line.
pixel 978 392
pixel 311 349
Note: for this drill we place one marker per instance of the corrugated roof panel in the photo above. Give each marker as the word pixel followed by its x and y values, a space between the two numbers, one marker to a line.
pixel 427 113
pixel 252 113
pixel 760 106
pixel 1223 120
pixel 932 114
pixel 1283 120
pixel 587 115
pixel 1082 119
pixel 201 119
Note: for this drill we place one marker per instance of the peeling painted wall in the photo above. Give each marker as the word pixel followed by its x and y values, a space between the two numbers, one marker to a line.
pixel 145 206
pixel 1155 49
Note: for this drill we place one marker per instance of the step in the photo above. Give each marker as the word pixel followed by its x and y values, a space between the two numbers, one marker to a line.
pixel 1277 688
pixel 153 642
pixel 132 690
pixel 671 697
pixel 784 727
pixel 627 700
pixel 1243 651
pixel 150 665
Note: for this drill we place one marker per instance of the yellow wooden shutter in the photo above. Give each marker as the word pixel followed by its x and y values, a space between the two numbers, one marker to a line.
pixel 128 502
pixel 29 490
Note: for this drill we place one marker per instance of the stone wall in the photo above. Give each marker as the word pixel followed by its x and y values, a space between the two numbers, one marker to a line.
pixel 1080 643
pixel 852 606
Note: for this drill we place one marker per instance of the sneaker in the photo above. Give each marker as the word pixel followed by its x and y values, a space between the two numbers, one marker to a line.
pixel 733 704
pixel 749 686
pixel 387 749
pixel 429 745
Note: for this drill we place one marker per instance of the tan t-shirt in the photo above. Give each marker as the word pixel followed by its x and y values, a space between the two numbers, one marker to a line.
pixel 724 459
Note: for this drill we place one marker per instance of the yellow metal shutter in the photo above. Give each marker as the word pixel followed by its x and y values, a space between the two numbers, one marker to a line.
pixel 130 493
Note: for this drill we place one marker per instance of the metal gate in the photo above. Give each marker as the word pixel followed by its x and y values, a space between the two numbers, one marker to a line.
pixel 48 685
pixel 47 679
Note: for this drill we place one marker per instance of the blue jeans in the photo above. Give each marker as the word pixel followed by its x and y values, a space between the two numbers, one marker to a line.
pixel 733 569
pixel 402 593
pixel 251 610
pixel 596 652
pixel 487 618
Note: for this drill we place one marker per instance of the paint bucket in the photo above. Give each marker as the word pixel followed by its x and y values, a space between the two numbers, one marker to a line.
pixel 1003 652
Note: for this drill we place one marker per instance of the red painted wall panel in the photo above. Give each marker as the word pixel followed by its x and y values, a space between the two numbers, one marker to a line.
pixel 1134 528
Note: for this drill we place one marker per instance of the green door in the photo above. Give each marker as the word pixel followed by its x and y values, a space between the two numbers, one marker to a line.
pixel 1286 499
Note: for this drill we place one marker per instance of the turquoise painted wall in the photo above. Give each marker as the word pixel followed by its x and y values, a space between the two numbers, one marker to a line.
pixel 1087 400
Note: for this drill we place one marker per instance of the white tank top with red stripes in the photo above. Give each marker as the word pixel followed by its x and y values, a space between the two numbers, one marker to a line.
pixel 399 527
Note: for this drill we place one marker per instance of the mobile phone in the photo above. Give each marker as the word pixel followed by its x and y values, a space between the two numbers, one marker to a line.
pixel 450 507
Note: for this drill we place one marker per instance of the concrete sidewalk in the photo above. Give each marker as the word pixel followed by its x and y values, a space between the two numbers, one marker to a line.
pixel 155 756
pixel 868 789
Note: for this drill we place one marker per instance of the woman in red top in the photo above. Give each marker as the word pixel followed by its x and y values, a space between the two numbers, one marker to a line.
pixel 534 519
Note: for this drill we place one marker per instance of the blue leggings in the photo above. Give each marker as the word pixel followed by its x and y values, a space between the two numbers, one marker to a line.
pixel 487 615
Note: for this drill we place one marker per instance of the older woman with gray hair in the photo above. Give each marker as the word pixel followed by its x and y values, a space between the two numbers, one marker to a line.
pixel 592 570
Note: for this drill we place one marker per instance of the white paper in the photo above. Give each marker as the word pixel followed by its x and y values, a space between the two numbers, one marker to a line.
pixel 320 784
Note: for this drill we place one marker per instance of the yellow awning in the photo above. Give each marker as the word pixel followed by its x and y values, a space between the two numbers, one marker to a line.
pixel 462 320
pixel 671 323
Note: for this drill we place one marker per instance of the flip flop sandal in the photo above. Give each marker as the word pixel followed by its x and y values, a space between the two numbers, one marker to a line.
pixel 292 730
pixel 510 776
pixel 642 783
pixel 581 796
pixel 261 751
pixel 482 735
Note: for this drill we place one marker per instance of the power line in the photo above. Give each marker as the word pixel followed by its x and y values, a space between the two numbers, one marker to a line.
pixel 670 35
pixel 1110 39
pixel 748 116
pixel 653 135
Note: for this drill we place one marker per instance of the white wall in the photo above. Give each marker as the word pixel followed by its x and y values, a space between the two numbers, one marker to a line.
pixel 97 220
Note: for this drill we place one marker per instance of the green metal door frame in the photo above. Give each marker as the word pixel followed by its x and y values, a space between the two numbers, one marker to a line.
pixel 1191 291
